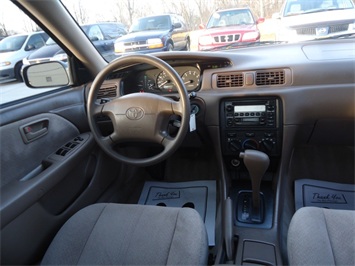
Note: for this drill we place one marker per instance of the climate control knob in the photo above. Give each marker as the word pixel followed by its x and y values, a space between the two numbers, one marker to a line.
pixel 235 145
pixel 268 144
pixel 250 144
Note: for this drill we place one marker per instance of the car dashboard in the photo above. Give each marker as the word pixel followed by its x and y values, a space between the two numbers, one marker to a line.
pixel 277 100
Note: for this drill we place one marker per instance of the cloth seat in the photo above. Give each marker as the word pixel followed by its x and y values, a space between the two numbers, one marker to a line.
pixel 122 234
pixel 318 236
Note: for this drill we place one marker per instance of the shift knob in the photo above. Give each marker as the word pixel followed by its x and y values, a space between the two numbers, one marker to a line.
pixel 257 163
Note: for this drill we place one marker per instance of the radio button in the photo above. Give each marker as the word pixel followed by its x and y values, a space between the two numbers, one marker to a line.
pixel 269 134
pixel 257 114
pixel 250 134
pixel 246 114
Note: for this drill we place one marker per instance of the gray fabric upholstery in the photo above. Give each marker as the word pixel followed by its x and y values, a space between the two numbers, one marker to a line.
pixel 117 234
pixel 320 236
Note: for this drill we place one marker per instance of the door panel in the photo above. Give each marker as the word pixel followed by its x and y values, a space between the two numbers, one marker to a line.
pixel 49 170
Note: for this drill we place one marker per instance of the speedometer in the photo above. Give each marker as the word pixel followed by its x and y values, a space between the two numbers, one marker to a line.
pixel 165 83
pixel 191 79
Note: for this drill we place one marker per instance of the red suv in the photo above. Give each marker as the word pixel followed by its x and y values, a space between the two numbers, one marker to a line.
pixel 229 26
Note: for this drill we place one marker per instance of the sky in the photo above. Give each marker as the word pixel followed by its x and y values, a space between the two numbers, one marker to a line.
pixel 13 18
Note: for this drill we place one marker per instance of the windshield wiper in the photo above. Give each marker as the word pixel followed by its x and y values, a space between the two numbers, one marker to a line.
pixel 322 10
pixel 243 44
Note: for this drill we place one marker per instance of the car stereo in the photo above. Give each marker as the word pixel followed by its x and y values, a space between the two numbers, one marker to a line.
pixel 251 123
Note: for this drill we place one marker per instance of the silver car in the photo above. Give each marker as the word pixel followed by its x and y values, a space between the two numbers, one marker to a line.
pixel 306 20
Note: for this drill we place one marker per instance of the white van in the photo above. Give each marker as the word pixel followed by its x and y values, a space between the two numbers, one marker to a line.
pixel 14 48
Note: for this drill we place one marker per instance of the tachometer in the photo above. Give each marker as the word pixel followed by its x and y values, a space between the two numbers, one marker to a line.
pixel 191 79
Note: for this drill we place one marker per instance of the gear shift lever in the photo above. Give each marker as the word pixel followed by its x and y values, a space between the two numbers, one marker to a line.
pixel 257 163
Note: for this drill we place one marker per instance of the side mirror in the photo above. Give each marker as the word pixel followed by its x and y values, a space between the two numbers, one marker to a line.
pixel 94 38
pixel 260 20
pixel 177 25
pixel 47 74
pixel 30 47
pixel 201 26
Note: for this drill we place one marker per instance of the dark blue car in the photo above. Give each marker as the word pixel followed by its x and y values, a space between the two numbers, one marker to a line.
pixel 155 34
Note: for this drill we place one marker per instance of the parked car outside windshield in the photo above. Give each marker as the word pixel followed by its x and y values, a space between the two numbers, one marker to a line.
pixel 306 20
pixel 155 34
pixel 14 48
pixel 229 26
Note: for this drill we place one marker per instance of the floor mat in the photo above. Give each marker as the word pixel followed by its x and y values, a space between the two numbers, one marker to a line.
pixel 200 195
pixel 309 192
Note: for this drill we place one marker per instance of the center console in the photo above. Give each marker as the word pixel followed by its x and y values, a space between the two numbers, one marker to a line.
pixel 251 142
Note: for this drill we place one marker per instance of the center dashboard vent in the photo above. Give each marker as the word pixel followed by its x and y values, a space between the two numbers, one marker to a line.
pixel 270 77
pixel 230 80
pixel 107 91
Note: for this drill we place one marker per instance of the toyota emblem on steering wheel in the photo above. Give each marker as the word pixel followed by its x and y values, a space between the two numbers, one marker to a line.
pixel 135 113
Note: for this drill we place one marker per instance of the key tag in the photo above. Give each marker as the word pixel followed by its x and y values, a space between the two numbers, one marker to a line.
pixel 192 122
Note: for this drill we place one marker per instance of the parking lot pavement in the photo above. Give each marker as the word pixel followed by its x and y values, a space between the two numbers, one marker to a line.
pixel 12 90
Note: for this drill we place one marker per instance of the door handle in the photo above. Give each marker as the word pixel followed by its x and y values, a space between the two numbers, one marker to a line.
pixel 34 130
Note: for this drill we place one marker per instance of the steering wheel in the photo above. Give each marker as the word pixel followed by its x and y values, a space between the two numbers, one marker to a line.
pixel 139 117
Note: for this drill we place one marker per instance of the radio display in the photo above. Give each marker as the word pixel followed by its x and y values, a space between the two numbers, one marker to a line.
pixel 249 108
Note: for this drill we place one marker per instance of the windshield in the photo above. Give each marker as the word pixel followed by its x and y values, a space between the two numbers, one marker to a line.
pixel 12 43
pixel 230 18
pixel 295 7
pixel 151 23
pixel 117 27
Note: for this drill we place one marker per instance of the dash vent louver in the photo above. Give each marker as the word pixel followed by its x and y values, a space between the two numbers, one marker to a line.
pixel 107 91
pixel 270 78
pixel 230 80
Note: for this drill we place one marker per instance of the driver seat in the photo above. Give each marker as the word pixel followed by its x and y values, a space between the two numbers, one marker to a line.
pixel 124 234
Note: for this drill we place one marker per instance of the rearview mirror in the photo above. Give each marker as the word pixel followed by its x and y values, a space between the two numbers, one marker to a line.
pixel 44 75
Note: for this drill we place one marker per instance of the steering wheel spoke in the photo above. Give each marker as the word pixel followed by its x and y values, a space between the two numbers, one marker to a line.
pixel 177 108
pixel 139 117
pixel 96 109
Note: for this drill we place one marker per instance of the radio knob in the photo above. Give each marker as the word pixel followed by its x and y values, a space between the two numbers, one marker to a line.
pixel 250 144
pixel 229 108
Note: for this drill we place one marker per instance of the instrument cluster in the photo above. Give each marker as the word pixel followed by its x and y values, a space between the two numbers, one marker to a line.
pixel 157 81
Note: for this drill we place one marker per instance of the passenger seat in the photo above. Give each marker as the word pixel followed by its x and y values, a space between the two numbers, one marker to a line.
pixel 318 236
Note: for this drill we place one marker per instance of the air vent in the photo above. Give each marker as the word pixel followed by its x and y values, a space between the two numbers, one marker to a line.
pixel 107 91
pixel 270 78
pixel 229 81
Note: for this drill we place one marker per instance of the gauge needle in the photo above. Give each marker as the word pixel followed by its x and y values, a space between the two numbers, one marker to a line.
pixel 187 82
pixel 163 83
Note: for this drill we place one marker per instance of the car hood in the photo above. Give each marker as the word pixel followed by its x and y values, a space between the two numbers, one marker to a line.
pixel 142 35
pixel 229 30
pixel 320 18
pixel 46 51
pixel 8 55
